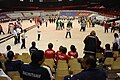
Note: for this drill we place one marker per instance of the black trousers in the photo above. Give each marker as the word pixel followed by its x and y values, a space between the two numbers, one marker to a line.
pixel 82 28
pixel 15 41
pixel 113 29
pixel 23 44
pixel 2 32
pixel 18 40
pixel 67 34
pixel 106 30
pixel 38 37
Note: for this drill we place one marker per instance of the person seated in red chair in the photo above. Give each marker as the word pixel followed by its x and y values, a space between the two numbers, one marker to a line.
pixel 73 52
pixel 50 53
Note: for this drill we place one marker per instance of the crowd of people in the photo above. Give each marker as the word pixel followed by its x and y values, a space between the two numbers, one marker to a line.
pixel 37 70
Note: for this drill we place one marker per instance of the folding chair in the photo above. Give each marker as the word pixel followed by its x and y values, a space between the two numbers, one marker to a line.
pixel 3 78
pixel 61 73
pixel 26 58
pixel 109 61
pixel 13 73
pixel 17 78
pixel 50 63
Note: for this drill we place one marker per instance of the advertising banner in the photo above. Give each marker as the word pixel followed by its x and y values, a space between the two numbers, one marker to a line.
pixel 83 13
pixel 68 13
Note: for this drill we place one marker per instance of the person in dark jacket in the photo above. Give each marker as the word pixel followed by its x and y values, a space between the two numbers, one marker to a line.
pixel 91 44
pixel 33 48
pixel 90 72
pixel 35 69
pixel 11 64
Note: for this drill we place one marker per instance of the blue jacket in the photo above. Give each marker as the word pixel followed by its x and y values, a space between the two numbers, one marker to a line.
pixel 90 74
pixel 34 72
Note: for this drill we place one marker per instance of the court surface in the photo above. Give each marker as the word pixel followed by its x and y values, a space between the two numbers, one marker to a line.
pixel 57 37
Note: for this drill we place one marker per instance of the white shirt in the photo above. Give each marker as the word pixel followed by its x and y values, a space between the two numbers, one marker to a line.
pixel 18 30
pixel 15 33
pixel 38 31
pixel 2 74
pixel 5 53
pixel 23 36
pixel 68 29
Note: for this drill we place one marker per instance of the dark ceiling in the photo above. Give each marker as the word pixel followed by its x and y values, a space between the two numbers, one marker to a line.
pixel 16 5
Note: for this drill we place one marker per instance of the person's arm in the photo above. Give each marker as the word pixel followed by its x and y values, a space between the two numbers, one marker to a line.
pixel 50 72
pixel 85 40
pixel 2 74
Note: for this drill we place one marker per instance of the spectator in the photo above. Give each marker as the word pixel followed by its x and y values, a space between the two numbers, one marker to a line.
pixel 34 70
pixel 119 27
pixel 73 52
pixel 2 73
pixel 107 51
pixel 8 47
pixel 1 30
pixel 68 77
pixel 59 51
pixel 116 42
pixel 90 72
pixel 62 55
pixel 33 48
pixel 11 64
pixel 50 53
pixel 91 44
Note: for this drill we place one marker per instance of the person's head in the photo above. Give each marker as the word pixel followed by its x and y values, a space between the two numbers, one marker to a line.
pixel 24 30
pixel 33 44
pixel 116 35
pixel 50 45
pixel 64 50
pixel 38 57
pixel 10 55
pixel 107 46
pixel 72 47
pixel 8 47
pixel 88 61
pixel 38 26
pixel 93 33
pixel 60 48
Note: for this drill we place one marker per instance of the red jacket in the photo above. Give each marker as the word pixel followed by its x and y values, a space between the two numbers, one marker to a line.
pixel 49 53
pixel 74 54
pixel 106 25
pixel 61 56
